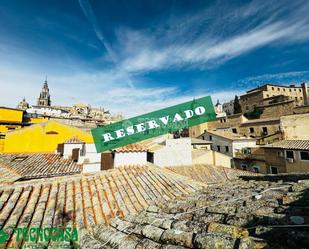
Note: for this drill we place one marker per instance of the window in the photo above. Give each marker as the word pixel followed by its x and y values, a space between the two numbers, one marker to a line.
pixel 278 89
pixel 273 170
pixel 210 138
pixel 290 90
pixel 280 154
pixel 211 147
pixel 296 98
pixel 299 90
pixel 284 89
pixel 247 151
pixel 294 90
pixel 251 130
pixel 289 154
pixel 234 130
pixel 273 88
pixel 218 148
pixel 304 155
pixel 265 132
pixel 300 98
pixel 226 148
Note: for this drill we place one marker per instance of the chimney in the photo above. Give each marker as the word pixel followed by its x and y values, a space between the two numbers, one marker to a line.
pixel 304 86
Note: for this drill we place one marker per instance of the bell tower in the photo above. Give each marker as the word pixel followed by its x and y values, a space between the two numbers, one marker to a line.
pixel 44 99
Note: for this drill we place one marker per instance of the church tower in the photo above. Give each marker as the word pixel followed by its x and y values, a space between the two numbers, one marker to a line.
pixel 44 99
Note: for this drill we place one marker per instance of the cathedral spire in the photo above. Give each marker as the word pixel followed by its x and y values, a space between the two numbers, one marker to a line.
pixel 44 98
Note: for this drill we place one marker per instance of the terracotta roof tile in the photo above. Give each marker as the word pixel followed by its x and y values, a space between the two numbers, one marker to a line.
pixel 74 140
pixel 229 135
pixel 210 174
pixel 7 174
pixel 37 165
pixel 237 214
pixel 136 147
pixel 290 144
pixel 88 200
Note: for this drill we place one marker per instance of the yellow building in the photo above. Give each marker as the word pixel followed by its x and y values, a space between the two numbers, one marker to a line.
pixel 10 119
pixel 42 137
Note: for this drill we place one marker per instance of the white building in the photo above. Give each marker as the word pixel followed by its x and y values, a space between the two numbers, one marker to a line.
pixel 227 142
pixel 132 154
pixel 47 111
pixel 84 154
pixel 219 110
pixel 173 152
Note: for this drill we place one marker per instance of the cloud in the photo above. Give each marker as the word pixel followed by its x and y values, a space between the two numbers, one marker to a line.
pixel 177 47
pixel 88 12
pixel 280 78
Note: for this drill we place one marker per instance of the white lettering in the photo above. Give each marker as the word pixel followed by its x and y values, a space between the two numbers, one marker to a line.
pixel 140 127
pixel 189 113
pixel 107 137
pixel 199 110
pixel 153 124
pixel 120 133
pixel 164 120
pixel 130 130
pixel 177 118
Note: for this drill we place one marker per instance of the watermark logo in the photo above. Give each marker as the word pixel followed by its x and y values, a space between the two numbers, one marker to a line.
pixel 38 237
pixel 3 236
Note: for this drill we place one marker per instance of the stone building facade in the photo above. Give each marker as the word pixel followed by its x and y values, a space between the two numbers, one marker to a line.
pixel 287 156
pixel 256 97
pixel 228 107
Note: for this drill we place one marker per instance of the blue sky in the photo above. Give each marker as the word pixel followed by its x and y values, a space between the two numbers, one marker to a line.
pixel 137 56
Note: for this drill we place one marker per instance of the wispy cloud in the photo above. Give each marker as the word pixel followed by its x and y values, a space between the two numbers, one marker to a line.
pixel 144 51
pixel 88 12
pixel 282 78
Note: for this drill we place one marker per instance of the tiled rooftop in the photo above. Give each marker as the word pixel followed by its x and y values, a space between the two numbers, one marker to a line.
pixel 238 214
pixel 260 120
pixel 74 140
pixel 88 200
pixel 136 147
pixel 210 174
pixel 290 144
pixel 8 175
pixel 228 135
pixel 37 165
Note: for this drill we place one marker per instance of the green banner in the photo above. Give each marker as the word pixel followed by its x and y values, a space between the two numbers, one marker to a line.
pixel 154 124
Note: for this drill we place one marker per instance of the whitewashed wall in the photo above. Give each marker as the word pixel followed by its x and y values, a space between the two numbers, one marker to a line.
pixel 177 152
pixel 129 158
pixel 91 167
pixel 67 150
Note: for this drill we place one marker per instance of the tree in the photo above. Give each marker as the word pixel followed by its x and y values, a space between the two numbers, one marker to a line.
pixel 237 107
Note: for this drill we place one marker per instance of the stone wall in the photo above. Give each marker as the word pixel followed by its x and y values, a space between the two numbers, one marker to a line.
pixel 295 126
pixel 278 109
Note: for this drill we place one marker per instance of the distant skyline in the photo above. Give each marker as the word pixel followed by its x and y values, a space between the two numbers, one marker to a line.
pixel 136 56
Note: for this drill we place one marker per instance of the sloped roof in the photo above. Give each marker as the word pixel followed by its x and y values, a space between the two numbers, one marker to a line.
pixel 229 135
pixel 7 174
pixel 74 140
pixel 136 147
pixel 210 174
pixel 260 120
pixel 290 144
pixel 87 200
pixel 238 215
pixel 200 141
pixel 37 165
